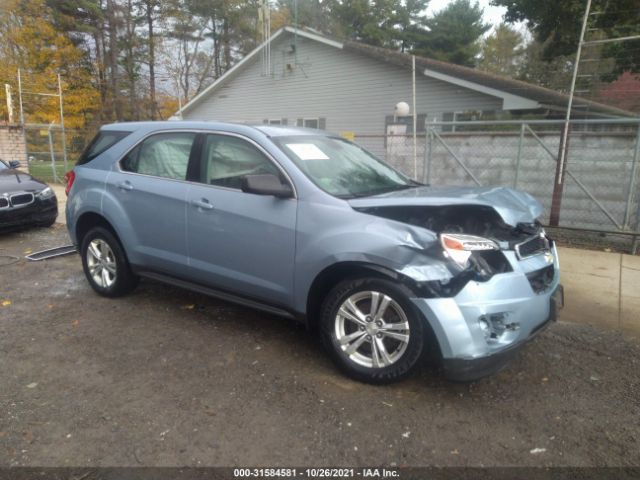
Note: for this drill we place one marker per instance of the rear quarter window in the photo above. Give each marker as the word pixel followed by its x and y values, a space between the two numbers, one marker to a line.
pixel 103 141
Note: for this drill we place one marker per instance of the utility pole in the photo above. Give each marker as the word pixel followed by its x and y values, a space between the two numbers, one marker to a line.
pixel 556 201
pixel 415 117
pixel 567 119
pixel 20 98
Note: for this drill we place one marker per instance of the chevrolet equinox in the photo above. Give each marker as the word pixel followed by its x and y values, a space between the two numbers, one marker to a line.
pixel 307 225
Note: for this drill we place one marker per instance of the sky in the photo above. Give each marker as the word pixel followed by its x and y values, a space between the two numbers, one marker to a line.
pixel 492 15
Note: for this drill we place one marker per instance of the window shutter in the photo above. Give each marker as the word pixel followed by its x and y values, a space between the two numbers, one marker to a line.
pixel 422 117
pixel 300 122
pixel 284 121
pixel 322 123
pixel 447 117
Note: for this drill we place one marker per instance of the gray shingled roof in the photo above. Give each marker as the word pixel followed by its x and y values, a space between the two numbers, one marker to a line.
pixel 545 96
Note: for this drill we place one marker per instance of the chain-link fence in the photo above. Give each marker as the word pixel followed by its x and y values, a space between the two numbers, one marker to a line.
pixel 50 154
pixel 598 187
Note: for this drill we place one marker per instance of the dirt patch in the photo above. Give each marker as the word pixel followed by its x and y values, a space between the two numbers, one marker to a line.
pixel 167 377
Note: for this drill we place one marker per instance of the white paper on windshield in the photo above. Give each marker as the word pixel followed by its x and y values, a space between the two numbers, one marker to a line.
pixel 307 151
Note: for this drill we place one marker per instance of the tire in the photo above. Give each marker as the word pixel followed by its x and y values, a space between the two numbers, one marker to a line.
pixel 113 276
pixel 352 337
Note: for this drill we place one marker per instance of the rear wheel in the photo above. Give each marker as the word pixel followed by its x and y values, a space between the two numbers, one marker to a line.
pixel 105 264
pixel 372 329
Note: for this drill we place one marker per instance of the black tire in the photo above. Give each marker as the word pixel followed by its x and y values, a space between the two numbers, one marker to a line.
pixel 124 280
pixel 406 361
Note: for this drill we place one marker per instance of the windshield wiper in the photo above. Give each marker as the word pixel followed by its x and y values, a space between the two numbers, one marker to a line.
pixel 395 188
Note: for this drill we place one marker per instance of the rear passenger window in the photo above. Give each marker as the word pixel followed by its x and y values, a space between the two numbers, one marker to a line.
pixel 163 155
pixel 227 159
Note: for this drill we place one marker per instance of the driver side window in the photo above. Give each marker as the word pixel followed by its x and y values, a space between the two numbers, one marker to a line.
pixel 227 159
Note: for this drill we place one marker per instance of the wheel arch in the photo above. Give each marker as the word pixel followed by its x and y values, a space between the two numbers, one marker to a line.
pixel 331 275
pixel 337 272
pixel 89 220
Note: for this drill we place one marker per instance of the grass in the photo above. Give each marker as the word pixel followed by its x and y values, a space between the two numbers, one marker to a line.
pixel 43 171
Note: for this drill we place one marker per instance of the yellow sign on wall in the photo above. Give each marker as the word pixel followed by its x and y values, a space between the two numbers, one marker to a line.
pixel 348 135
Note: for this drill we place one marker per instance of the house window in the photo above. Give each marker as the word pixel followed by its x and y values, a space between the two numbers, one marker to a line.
pixel 274 121
pixel 317 123
pixel 310 123
pixel 466 116
pixel 449 117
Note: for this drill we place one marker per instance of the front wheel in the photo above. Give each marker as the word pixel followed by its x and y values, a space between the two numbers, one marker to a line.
pixel 372 330
pixel 105 264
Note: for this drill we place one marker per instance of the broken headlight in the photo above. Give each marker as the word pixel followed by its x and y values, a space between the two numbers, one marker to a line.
pixel 459 247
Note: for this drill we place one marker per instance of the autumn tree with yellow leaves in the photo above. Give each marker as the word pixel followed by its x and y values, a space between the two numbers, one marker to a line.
pixel 30 42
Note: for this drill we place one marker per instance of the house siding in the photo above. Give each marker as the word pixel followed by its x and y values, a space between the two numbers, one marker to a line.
pixel 352 92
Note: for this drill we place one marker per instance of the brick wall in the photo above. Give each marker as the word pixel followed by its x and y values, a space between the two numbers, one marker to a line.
pixel 12 143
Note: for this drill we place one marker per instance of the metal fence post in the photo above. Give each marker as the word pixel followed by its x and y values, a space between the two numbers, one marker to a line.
pixel 52 154
pixel 558 184
pixel 427 157
pixel 64 135
pixel 632 181
pixel 515 180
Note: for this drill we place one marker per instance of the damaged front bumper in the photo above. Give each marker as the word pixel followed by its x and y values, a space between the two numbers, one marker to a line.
pixel 486 323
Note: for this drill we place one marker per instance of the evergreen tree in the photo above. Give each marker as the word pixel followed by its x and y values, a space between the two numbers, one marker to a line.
pixel 502 52
pixel 453 34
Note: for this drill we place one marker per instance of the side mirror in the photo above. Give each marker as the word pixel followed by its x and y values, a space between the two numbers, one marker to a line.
pixel 14 164
pixel 266 184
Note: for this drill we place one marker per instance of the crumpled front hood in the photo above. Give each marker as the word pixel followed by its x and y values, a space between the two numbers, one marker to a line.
pixel 513 206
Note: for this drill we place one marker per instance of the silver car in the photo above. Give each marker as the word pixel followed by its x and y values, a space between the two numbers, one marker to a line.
pixel 307 225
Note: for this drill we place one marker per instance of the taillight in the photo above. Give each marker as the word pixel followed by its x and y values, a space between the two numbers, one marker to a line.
pixel 69 177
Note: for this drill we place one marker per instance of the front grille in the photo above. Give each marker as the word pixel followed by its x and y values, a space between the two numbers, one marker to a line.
pixel 540 280
pixel 537 244
pixel 21 199
pixel 4 202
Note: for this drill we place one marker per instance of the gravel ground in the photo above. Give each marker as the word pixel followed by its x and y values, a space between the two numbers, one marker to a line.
pixel 166 377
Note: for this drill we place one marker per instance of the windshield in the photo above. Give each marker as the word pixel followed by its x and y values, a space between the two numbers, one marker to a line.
pixel 342 168
pixel 3 166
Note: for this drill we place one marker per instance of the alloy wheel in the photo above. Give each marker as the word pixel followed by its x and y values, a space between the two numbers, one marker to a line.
pixel 101 262
pixel 372 329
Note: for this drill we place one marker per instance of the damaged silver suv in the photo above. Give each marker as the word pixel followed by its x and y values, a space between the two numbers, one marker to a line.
pixel 307 225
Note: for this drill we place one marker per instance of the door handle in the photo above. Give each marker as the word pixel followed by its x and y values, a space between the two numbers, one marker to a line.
pixel 126 185
pixel 203 204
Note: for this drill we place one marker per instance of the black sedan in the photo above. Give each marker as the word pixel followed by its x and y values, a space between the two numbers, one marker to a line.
pixel 23 199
